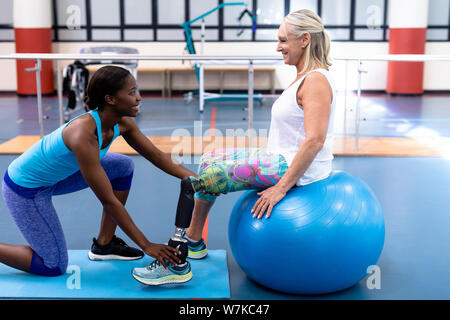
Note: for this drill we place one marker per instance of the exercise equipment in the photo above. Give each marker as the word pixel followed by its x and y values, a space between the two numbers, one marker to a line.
pixel 86 279
pixel 320 238
pixel 198 67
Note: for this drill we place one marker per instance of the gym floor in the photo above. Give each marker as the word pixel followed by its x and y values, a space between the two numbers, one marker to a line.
pixel 413 191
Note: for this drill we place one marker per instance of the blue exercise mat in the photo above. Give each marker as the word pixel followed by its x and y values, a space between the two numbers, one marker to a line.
pixel 87 279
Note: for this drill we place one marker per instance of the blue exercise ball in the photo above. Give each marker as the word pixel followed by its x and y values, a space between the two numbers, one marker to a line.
pixel 320 238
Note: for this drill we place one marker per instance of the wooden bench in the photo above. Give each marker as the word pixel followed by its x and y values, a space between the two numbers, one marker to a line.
pixel 222 70
pixel 163 72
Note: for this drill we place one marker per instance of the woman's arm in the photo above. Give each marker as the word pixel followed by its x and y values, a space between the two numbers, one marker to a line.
pixel 81 141
pixel 139 142
pixel 315 96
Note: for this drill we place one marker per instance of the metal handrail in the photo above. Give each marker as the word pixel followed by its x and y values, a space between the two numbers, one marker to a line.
pixel 69 56
pixel 251 59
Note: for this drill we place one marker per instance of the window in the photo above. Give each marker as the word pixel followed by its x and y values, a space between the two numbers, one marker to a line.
pixel 160 20
pixel 369 13
pixel 304 4
pixel 6 21
pixel 438 20
pixel 270 12
pixel 98 16
pixel 105 35
pixel 6 14
pixel 235 30
pixel 336 12
pixel 70 13
pixel 200 7
pixel 438 13
pixel 70 20
pixel 138 34
pixel 138 12
pixel 369 20
pixel 171 12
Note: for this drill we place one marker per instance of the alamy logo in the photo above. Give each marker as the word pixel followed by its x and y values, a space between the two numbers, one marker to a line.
pixel 73 21
pixel 374 17
pixel 374 280
pixel 74 280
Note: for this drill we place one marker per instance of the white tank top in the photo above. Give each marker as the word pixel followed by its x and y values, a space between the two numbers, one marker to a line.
pixel 287 131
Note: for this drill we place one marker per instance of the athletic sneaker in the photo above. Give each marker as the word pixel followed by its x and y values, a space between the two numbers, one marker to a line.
pixel 197 249
pixel 117 249
pixel 155 274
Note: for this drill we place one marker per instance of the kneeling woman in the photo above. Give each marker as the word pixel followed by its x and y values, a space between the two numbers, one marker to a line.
pixel 75 157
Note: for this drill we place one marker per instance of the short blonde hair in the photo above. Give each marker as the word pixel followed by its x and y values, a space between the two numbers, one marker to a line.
pixel 318 50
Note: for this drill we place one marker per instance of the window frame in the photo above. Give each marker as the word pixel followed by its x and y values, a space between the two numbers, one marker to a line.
pixel 221 27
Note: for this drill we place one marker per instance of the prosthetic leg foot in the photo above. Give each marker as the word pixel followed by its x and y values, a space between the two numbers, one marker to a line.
pixel 183 217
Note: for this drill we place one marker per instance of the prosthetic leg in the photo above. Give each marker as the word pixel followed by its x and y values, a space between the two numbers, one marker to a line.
pixel 183 217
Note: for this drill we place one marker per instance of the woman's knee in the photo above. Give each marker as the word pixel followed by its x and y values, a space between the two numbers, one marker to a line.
pixel 127 164
pixel 118 164
pixel 39 267
pixel 120 169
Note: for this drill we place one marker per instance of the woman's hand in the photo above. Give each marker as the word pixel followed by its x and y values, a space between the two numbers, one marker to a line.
pixel 161 252
pixel 268 199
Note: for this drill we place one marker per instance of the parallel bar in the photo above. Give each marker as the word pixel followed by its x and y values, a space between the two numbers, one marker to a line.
pixel 357 111
pixel 250 99
pixel 60 93
pixel 358 103
pixel 201 89
pixel 345 96
pixel 39 96
pixel 250 59
pixel 54 56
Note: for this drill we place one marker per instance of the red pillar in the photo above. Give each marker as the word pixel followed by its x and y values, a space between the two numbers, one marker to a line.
pixel 407 35
pixel 33 34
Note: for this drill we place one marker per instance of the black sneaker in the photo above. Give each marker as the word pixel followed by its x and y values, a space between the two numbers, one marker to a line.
pixel 117 249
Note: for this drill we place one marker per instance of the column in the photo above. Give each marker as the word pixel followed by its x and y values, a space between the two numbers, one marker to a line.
pixel 408 20
pixel 33 34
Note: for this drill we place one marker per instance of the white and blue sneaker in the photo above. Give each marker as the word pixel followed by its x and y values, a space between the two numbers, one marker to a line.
pixel 196 249
pixel 155 274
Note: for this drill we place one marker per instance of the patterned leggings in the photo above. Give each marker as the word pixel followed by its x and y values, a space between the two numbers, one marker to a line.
pixel 228 170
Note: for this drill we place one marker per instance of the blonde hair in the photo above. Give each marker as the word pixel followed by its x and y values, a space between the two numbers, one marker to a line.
pixel 318 50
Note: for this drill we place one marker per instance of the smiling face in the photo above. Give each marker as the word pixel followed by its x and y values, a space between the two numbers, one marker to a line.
pixel 127 100
pixel 291 46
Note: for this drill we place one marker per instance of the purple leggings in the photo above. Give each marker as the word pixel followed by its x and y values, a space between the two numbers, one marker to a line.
pixel 229 170
pixel 33 211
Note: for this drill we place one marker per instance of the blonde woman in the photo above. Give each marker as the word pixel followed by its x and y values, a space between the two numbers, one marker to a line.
pixel 299 144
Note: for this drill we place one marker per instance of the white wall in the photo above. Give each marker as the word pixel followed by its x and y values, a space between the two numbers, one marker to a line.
pixel 436 73
pixel 436 76
pixel 8 80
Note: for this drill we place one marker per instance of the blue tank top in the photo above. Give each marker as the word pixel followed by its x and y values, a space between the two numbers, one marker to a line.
pixel 49 160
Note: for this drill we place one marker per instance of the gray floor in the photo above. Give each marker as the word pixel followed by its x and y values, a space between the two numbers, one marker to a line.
pixel 413 192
